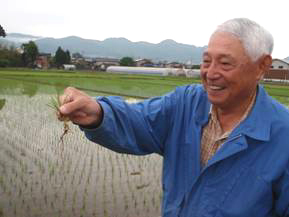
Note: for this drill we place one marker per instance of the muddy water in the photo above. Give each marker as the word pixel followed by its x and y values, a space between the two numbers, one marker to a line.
pixel 37 179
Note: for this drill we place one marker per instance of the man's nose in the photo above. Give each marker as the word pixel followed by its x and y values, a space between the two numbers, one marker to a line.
pixel 213 71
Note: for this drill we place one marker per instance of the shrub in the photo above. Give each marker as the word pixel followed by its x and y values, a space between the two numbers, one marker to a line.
pixel 4 63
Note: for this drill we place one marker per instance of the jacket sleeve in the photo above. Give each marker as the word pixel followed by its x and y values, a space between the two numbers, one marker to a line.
pixel 139 128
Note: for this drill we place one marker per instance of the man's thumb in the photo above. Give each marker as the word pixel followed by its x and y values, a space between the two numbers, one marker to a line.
pixel 63 109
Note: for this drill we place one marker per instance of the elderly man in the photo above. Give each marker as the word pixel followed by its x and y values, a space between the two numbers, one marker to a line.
pixel 225 144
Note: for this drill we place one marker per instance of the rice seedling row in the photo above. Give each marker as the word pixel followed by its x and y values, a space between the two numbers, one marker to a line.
pixel 84 180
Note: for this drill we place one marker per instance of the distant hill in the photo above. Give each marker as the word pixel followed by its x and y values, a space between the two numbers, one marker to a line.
pixel 20 38
pixel 167 50
pixel 119 47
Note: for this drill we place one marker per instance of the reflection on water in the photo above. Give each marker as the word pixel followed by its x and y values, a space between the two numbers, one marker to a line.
pixel 59 87
pixel 2 103
pixel 14 87
pixel 29 90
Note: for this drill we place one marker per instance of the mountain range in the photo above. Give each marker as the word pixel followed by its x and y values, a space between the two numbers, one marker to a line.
pixel 167 50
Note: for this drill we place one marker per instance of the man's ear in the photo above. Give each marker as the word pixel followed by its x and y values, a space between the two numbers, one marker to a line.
pixel 265 63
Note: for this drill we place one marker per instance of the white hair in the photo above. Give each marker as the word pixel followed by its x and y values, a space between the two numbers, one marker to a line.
pixel 256 40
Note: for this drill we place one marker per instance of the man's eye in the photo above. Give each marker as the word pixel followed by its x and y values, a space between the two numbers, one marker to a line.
pixel 206 64
pixel 225 63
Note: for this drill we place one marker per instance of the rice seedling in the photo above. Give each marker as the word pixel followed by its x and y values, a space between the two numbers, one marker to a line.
pixel 55 105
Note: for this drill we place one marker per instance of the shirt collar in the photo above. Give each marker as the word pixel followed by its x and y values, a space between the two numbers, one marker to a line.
pixel 257 124
pixel 214 117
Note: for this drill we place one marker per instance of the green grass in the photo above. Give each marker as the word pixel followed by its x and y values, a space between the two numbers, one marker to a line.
pixel 29 82
pixel 141 86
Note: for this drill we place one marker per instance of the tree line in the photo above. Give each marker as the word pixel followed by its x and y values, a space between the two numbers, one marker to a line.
pixel 26 56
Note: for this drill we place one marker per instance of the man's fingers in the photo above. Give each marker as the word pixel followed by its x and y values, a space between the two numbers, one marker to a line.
pixel 68 95
pixel 61 117
pixel 65 98
pixel 70 107
pixel 78 107
pixel 78 115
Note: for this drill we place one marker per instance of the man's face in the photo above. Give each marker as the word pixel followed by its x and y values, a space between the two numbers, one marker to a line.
pixel 228 74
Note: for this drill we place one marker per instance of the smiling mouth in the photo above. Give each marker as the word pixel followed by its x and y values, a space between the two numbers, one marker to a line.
pixel 215 88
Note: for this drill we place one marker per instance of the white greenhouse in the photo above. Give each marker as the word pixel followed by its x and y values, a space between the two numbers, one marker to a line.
pixel 154 71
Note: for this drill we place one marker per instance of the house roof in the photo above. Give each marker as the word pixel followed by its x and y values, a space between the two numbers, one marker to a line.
pixel 104 59
pixel 284 61
pixel 139 60
pixel 45 54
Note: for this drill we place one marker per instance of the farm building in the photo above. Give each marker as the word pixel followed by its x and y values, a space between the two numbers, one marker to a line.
pixel 103 63
pixel 69 67
pixel 279 71
pixel 143 62
pixel 42 60
pixel 154 71
pixel 280 64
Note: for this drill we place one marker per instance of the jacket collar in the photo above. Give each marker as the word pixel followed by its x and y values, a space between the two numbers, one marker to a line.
pixel 203 108
pixel 257 125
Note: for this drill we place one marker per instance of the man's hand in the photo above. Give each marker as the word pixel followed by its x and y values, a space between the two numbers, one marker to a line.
pixel 80 108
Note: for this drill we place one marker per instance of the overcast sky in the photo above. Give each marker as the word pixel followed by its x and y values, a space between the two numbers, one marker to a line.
pixel 185 21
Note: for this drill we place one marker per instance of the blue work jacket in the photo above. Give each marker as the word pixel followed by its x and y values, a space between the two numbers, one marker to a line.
pixel 247 177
